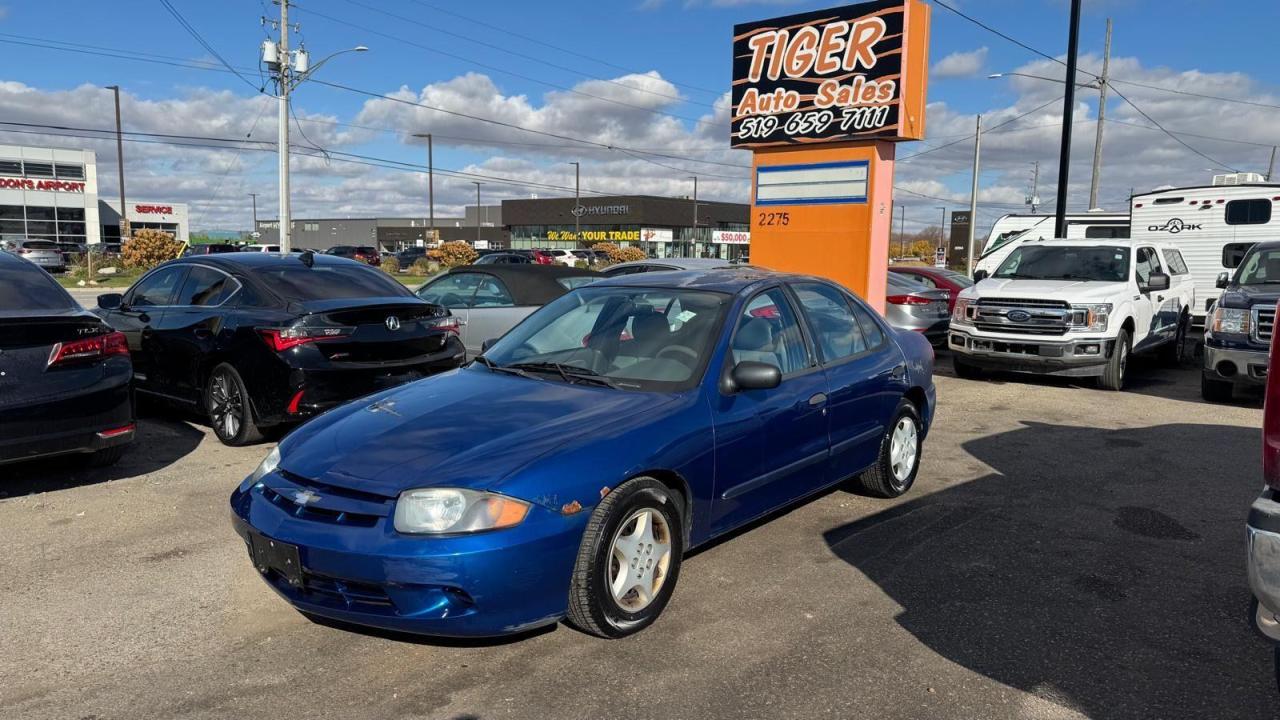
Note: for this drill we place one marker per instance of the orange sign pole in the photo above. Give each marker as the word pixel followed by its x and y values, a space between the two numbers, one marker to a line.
pixel 822 98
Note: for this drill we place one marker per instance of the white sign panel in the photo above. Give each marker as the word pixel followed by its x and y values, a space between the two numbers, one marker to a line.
pixel 663 235
pixel 814 184
pixel 481 244
pixel 731 237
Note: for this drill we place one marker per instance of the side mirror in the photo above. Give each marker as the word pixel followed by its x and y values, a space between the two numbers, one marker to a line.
pixel 1223 280
pixel 980 275
pixel 751 375
pixel 1157 282
pixel 110 301
pixel 484 346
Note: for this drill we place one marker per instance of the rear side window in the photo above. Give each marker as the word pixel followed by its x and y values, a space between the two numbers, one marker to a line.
pixel 836 329
pixel 1176 265
pixel 23 285
pixel 491 293
pixel 205 287
pixel 1249 212
pixel 329 282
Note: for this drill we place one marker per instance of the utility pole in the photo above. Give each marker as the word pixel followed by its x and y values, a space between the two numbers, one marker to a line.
pixel 124 212
pixel 1271 167
pixel 973 192
pixel 577 200
pixel 1034 198
pixel 902 222
pixel 282 122
pixel 1068 117
pixel 477 184
pixel 694 238
pixel 1102 116
pixel 255 211
pixel 942 231
pixel 431 191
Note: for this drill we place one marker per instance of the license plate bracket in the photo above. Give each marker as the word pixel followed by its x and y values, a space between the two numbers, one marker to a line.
pixel 272 555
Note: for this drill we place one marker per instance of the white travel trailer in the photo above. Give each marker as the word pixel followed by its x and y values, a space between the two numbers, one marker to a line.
pixel 1211 225
pixel 1011 230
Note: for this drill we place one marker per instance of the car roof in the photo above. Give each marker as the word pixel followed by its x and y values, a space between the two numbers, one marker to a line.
pixel 530 284
pixel 732 280
pixel 250 260
pixel 681 263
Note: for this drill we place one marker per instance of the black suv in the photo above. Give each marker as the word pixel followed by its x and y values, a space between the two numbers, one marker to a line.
pixel 259 339
pixel 1237 332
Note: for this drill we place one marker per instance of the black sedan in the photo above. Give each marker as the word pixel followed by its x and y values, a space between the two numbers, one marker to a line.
pixel 64 374
pixel 256 340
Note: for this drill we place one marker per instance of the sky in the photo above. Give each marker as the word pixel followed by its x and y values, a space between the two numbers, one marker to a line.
pixel 647 79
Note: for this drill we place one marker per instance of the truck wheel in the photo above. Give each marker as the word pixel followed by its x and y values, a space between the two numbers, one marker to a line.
pixel 1217 391
pixel 1171 354
pixel 1113 376
pixel 964 370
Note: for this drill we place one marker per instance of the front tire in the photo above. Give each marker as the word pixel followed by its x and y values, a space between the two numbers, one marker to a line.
pixel 899 460
pixel 227 403
pixel 964 370
pixel 629 560
pixel 1171 354
pixel 1216 391
pixel 1113 375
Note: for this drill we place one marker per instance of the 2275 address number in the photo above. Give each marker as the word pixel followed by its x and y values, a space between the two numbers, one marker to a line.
pixel 774 219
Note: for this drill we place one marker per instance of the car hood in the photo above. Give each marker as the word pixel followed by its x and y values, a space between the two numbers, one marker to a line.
pixel 466 428
pixel 1075 291
pixel 1244 296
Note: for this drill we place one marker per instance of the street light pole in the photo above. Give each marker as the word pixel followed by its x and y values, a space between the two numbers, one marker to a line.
pixel 255 210
pixel 973 194
pixel 694 237
pixel 124 212
pixel 902 223
pixel 477 184
pixel 577 200
pixel 431 187
pixel 942 231
pixel 1102 117
pixel 1068 117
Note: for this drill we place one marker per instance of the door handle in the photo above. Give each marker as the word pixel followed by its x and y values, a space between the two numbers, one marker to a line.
pixel 818 400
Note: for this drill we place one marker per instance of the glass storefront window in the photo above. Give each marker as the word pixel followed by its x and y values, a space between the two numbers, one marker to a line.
pixel 11 212
pixel 38 170
pixel 40 227
pixel 66 213
pixel 39 213
pixel 69 172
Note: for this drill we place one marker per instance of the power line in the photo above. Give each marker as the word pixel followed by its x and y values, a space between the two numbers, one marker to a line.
pixel 1177 139
pixel 970 136
pixel 205 44
pixel 1195 94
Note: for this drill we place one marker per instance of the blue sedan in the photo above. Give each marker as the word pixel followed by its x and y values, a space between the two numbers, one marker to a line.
pixel 566 471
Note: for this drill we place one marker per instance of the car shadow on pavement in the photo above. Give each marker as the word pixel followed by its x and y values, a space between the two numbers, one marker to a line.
pixel 1102 570
pixel 159 443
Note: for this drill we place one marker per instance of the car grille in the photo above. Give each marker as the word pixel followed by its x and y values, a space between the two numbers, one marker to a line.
pixel 343 506
pixel 1017 316
pixel 335 517
pixel 1264 322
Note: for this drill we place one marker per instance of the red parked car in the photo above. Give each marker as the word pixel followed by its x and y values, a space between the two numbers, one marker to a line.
pixel 363 253
pixel 938 278
pixel 1263 525
pixel 542 257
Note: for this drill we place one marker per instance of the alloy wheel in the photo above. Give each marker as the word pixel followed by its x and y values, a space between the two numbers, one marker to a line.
pixel 639 559
pixel 904 446
pixel 226 404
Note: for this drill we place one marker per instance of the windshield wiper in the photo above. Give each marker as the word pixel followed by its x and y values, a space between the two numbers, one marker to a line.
pixel 1018 276
pixel 500 368
pixel 1069 276
pixel 570 373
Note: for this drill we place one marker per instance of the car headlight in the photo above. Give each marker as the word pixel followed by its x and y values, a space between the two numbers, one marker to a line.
pixel 451 510
pixel 1092 318
pixel 960 313
pixel 1230 321
pixel 268 464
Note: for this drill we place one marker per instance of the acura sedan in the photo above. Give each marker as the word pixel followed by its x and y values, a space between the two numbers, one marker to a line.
pixel 566 471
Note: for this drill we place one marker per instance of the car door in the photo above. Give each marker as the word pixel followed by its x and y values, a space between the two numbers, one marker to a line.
pixel 492 313
pixel 1146 321
pixel 866 375
pixel 455 291
pixel 189 330
pixel 140 311
pixel 771 446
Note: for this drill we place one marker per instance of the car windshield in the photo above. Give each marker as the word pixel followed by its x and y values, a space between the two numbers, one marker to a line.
pixel 651 339
pixel 1066 262
pixel 328 282
pixel 959 279
pixel 1261 267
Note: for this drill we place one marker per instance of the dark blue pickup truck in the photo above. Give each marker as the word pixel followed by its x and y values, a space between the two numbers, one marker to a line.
pixel 1237 333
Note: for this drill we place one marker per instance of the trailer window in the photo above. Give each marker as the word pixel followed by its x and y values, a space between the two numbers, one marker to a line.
pixel 1107 232
pixel 1168 201
pixel 1249 212
pixel 1233 253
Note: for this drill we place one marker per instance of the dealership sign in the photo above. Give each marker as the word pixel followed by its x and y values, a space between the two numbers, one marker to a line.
pixel 850 73
pixel 662 235
pixel 587 210
pixel 49 185
pixel 153 209
pixel 730 237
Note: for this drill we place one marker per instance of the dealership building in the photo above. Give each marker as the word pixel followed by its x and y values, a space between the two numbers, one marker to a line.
pixel 52 194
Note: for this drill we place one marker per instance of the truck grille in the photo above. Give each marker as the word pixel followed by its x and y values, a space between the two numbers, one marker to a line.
pixel 1023 303
pixel 1264 322
pixel 1017 316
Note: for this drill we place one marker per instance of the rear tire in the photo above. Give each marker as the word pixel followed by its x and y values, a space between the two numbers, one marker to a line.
pixel 107 456
pixel 1216 391
pixel 624 575
pixel 1171 354
pixel 899 459
pixel 964 370
pixel 226 401
pixel 1113 376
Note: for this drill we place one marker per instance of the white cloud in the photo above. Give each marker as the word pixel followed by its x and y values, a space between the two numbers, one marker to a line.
pixel 961 64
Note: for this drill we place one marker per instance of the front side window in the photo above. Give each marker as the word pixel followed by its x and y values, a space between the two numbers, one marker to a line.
pixel 835 329
pixel 453 291
pixel 1066 262
pixel 1261 268
pixel 206 287
pixel 156 288
pixel 1148 263
pixel 769 332
pixel 629 338
pixel 1249 212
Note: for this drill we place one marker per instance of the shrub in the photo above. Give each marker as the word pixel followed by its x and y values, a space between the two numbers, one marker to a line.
pixel 148 248
pixel 627 254
pixel 454 253
pixel 582 264
pixel 423 266
pixel 391 266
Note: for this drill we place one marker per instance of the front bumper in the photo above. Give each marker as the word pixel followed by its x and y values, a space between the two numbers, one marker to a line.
pixel 1263 529
pixel 1045 355
pixel 359 570
pixel 1242 366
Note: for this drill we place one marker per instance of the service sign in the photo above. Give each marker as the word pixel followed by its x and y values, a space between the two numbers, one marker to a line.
pixel 857 72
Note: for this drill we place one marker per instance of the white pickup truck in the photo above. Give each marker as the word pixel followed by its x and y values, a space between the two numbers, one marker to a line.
pixel 1074 307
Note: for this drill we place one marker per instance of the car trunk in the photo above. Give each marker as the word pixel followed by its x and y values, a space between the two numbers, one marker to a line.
pixel 376 332
pixel 27 343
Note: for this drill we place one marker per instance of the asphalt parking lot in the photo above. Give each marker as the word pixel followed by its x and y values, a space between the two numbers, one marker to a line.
pixel 1065 553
